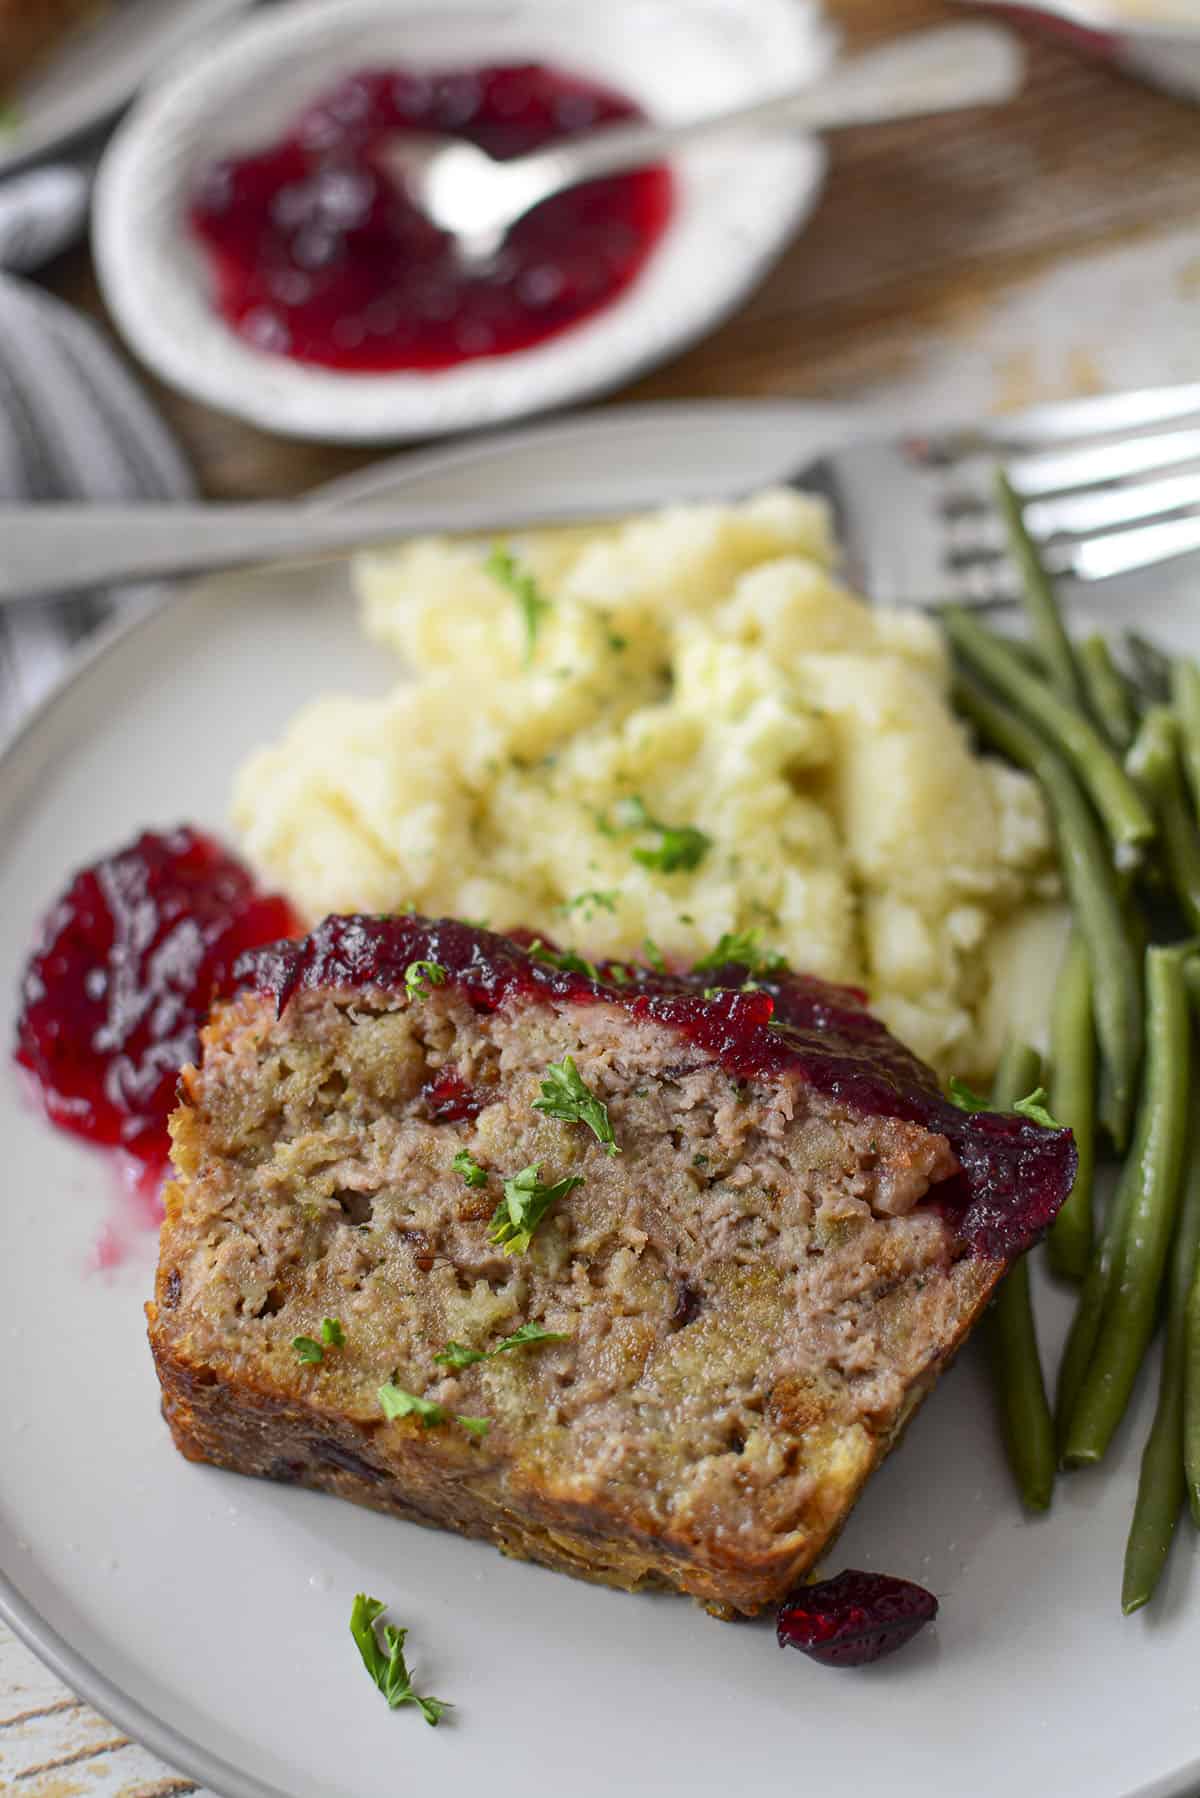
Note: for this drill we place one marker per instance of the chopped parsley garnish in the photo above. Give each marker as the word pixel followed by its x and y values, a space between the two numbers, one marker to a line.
pixel 525 1203
pixel 308 1351
pixel 464 1163
pixel 332 1333
pixel 503 566
pixel 1032 1107
pixel 966 1100
pixel 740 948
pixel 680 847
pixel 419 976
pixel 565 960
pixel 394 1402
pixel 591 902
pixel 458 1356
pixel 389 1670
pixel 654 955
pixel 522 1338
pixel 566 1096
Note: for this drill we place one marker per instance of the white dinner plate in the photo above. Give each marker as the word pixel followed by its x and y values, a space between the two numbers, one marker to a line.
pixel 207 1614
pixel 98 69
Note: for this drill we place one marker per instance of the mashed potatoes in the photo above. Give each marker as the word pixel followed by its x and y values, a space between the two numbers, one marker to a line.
pixel 698 669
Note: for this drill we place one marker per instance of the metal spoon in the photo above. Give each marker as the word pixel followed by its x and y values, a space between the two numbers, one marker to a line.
pixel 477 199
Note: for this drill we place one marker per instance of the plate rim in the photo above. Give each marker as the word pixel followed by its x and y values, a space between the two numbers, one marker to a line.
pixel 20 1613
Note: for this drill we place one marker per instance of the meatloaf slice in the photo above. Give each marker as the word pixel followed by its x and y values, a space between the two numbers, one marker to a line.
pixel 748 1299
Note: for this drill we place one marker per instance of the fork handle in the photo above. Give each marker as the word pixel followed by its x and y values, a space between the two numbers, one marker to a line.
pixel 47 550
pixel 940 70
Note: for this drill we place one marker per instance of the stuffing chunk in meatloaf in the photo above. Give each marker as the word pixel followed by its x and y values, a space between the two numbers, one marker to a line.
pixel 748 1299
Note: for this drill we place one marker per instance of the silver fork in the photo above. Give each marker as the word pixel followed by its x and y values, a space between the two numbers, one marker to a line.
pixel 1111 484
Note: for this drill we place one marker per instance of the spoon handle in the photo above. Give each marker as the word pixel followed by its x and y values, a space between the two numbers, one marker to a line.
pixel 942 70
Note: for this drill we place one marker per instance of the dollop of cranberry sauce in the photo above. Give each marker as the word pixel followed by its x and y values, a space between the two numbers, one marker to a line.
pixel 854 1618
pixel 318 255
pixel 130 960
pixel 1014 1174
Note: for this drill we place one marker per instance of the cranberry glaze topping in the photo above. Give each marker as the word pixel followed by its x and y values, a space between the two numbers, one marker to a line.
pixel 1014 1174
pixel 130 960
pixel 855 1618
pixel 318 255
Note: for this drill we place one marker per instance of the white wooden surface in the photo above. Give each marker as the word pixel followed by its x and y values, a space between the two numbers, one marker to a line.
pixel 1123 318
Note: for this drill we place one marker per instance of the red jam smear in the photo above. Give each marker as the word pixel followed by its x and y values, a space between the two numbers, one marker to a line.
pixel 1014 1174
pixel 130 960
pixel 319 256
pixel 855 1618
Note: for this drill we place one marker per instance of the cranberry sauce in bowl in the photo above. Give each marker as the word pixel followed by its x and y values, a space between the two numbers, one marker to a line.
pixel 130 959
pixel 317 255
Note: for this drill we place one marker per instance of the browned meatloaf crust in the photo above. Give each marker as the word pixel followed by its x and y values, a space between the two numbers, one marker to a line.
pixel 754 1294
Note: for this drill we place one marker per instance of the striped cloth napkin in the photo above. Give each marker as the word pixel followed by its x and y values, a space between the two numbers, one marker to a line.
pixel 73 426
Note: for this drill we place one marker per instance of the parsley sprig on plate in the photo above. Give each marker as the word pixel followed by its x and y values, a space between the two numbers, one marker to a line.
pixel 390 1670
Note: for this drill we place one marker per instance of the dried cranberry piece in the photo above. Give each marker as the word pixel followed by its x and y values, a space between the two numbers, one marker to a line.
pixel 854 1618
pixel 448 1098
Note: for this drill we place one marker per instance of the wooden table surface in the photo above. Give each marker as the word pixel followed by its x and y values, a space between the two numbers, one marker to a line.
pixel 969 265
pixel 922 228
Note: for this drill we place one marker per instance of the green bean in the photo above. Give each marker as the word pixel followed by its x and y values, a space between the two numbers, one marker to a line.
pixel 1108 694
pixel 1153 761
pixel 1128 1320
pixel 1011 1336
pixel 1127 818
pixel 1185 697
pixel 1040 601
pixel 1085 1325
pixel 1095 896
pixel 1073 1102
pixel 1161 1482
pixel 1151 669
pixel 1191 1406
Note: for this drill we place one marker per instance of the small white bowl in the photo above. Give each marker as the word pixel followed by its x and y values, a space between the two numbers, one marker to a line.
pixel 736 207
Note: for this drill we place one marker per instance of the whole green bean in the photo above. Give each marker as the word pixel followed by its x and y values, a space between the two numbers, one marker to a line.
pixel 1040 600
pixel 1095 895
pixel 1108 694
pixel 1126 815
pixel 1085 1325
pixel 1153 761
pixel 1151 668
pixel 1073 1102
pixel 1161 1481
pixel 1010 1334
pixel 1128 1321
pixel 1185 697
